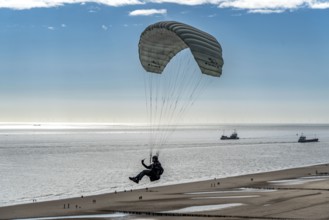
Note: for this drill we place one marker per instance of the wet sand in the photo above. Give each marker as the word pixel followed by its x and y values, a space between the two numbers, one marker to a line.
pixel 286 194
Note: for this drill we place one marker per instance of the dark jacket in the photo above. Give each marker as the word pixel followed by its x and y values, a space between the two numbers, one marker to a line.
pixel 156 170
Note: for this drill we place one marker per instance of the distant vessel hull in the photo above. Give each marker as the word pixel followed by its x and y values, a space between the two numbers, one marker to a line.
pixel 234 136
pixel 303 139
pixel 308 140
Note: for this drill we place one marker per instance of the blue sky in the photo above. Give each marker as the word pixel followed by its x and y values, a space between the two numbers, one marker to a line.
pixel 77 61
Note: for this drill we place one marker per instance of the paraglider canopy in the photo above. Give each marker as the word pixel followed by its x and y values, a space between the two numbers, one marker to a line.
pixel 181 61
pixel 163 40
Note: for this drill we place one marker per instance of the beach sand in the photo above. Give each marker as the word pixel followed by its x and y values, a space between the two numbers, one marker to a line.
pixel 292 193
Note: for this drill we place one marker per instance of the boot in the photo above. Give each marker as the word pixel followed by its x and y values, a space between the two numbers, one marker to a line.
pixel 134 179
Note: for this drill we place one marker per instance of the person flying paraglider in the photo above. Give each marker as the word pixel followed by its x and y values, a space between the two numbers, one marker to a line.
pixel 154 171
pixel 168 96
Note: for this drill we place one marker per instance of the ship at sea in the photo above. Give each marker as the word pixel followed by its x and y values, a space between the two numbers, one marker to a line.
pixel 303 139
pixel 233 136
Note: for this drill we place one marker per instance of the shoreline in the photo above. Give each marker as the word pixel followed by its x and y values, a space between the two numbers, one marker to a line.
pixel 31 200
pixel 290 193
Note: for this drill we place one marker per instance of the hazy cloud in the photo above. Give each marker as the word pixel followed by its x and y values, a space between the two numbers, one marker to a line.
pixel 104 27
pixel 266 11
pixel 320 5
pixel 212 15
pixel 265 5
pixel 29 4
pixel 253 6
pixel 147 12
pixel 93 9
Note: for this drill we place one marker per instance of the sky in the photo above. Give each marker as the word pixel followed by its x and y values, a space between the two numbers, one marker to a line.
pixel 76 61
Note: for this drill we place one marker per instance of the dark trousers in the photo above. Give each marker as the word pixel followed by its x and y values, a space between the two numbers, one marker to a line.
pixel 148 173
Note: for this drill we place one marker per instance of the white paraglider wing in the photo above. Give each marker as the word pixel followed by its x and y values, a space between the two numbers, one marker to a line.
pixel 163 40
pixel 185 58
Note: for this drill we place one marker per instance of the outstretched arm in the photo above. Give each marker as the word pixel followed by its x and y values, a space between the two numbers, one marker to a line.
pixel 147 167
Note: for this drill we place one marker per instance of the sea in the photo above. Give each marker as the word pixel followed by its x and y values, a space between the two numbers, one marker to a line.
pixel 42 162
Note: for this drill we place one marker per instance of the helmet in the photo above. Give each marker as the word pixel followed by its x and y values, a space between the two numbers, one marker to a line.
pixel 155 158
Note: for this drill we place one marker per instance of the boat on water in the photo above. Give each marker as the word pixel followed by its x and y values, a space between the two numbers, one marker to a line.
pixel 303 139
pixel 233 136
